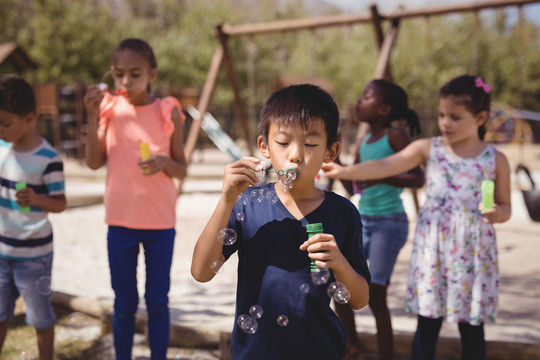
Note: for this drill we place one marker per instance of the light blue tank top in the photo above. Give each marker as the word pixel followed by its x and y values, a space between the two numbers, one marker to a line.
pixel 379 199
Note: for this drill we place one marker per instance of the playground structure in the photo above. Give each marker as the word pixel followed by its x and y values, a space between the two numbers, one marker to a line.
pixel 385 42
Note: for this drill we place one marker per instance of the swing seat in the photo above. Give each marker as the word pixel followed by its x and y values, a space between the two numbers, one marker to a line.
pixel 214 131
pixel 531 197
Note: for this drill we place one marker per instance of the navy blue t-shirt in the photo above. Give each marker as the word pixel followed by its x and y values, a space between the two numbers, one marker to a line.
pixel 271 270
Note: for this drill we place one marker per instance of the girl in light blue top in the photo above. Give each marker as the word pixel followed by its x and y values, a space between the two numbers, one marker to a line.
pixel 383 105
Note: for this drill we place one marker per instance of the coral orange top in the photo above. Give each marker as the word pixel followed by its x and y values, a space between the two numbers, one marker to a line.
pixel 132 199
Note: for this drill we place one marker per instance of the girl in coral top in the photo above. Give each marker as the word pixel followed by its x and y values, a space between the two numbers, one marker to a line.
pixel 140 196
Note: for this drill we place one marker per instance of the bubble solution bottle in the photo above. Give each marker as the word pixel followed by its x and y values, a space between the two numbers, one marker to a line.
pixel 319 275
pixel 488 188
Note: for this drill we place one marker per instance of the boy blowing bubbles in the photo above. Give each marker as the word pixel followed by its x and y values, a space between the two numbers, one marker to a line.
pixel 298 130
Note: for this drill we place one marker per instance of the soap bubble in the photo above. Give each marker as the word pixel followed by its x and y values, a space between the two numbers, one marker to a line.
pixel 342 295
pixel 43 285
pixel 272 197
pixel 320 276
pixel 338 292
pixel 332 288
pixel 287 184
pixel 216 266
pixel 247 324
pixel 257 195
pixel 304 288
pixel 227 236
pixel 256 311
pixel 242 199
pixel 282 320
pixel 240 216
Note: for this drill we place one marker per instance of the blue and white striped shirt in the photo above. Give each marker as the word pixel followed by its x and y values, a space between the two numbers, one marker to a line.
pixel 27 235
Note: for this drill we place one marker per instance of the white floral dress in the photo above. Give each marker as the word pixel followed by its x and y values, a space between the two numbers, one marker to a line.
pixel 453 271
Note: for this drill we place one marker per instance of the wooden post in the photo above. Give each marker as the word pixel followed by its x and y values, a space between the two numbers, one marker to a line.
pixel 204 101
pixel 238 103
pixel 383 63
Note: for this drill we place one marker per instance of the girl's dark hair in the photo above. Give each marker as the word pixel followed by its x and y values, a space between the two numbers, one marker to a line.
pixel 471 92
pixel 394 96
pixel 140 47
pixel 300 105
pixel 16 96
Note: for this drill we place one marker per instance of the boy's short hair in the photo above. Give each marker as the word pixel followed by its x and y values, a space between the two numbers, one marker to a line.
pixel 300 105
pixel 16 96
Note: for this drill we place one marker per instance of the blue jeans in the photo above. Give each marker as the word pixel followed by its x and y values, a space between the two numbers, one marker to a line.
pixel 123 247
pixel 31 279
pixel 383 237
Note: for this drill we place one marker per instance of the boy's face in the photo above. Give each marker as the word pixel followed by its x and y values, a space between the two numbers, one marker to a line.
pixel 13 127
pixel 302 149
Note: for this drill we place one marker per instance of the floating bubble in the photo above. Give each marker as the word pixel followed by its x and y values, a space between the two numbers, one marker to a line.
pixel 257 195
pixel 247 324
pixel 227 236
pixel 241 319
pixel 320 276
pixel 43 285
pixel 256 311
pixel 240 216
pixel 216 266
pixel 282 320
pixel 304 288
pixel 242 199
pixel 332 288
pixel 272 197
pixel 102 86
pixel 287 184
pixel 342 295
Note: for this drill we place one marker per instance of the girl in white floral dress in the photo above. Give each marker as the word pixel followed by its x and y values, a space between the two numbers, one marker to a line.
pixel 453 270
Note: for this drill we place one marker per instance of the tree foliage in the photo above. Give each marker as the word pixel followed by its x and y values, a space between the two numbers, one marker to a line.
pixel 73 40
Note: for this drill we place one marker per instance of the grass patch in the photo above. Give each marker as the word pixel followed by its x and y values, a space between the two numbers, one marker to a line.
pixel 75 337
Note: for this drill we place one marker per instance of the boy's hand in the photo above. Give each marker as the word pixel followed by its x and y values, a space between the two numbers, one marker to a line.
pixel 238 177
pixel 93 98
pixel 323 249
pixel 332 170
pixel 26 197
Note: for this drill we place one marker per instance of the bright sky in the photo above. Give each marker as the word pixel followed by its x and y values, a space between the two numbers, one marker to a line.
pixel 532 11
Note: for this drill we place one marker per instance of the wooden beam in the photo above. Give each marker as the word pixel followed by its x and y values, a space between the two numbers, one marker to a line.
pixel 457 8
pixel 377 27
pixel 383 63
pixel 239 106
pixel 349 19
pixel 295 24
pixel 204 100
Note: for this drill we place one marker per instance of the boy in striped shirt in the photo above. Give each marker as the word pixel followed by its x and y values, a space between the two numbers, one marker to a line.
pixel 31 186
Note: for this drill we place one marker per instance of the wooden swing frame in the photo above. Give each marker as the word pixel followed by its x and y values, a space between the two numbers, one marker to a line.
pixel 385 44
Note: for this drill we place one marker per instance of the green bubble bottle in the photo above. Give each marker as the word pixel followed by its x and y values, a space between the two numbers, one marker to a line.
pixel 319 275
pixel 19 186
pixel 488 188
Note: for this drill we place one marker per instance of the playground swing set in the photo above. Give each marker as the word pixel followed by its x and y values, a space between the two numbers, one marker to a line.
pixel 385 43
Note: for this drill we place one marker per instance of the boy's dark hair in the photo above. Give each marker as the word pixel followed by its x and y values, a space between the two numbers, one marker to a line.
pixel 140 47
pixel 394 96
pixel 16 96
pixel 471 92
pixel 300 104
